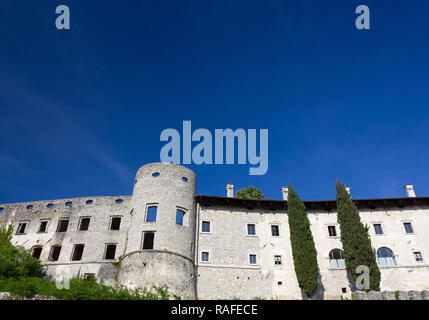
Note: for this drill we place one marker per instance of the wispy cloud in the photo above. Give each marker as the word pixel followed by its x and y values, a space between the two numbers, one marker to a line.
pixel 47 123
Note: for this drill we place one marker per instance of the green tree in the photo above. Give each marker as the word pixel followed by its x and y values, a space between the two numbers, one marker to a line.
pixel 355 239
pixel 303 248
pixel 16 262
pixel 250 193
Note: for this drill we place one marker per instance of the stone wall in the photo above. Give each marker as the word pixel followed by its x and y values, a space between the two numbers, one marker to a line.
pixel 390 295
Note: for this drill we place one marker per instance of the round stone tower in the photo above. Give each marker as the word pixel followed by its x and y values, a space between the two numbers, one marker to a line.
pixel 160 247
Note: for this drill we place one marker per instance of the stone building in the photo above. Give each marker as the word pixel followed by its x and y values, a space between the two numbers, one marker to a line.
pixel 209 247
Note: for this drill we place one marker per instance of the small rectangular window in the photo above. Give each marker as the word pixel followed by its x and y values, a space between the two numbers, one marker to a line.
pixel 151 214
pixel 37 251
pixel 251 230
pixel 205 256
pixel 84 224
pixel 110 252
pixel 89 276
pixel 179 216
pixel 332 231
pixel 378 229
pixel 78 252
pixel 205 226
pixel 252 258
pixel 43 228
pixel 277 260
pixel 63 224
pixel 115 223
pixel 22 226
pixel 408 227
pixel 418 256
pixel 148 238
pixel 55 253
pixel 275 230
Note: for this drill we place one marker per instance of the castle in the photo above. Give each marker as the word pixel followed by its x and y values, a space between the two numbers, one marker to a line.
pixel 209 247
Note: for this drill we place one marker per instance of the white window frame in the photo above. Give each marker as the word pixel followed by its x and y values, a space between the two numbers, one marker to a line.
pixel 271 231
pixel 185 216
pixel 247 229
pixel 412 226
pixel 211 226
pixel 147 211
pixel 382 228
pixel 26 222
pixel 337 230
pixel 47 226
pixel 248 259
pixel 201 256
pixel 105 251
pixel 110 223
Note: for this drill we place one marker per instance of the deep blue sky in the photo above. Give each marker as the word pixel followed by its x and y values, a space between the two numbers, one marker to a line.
pixel 82 110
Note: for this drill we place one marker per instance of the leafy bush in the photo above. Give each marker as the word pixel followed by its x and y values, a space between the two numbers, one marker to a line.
pixel 250 193
pixel 16 262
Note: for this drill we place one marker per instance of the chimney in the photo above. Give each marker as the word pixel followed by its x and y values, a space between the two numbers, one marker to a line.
pixel 285 191
pixel 230 190
pixel 348 190
pixel 410 190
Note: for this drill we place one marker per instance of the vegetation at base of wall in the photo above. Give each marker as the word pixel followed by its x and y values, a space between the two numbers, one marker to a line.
pixel 355 239
pixel 22 276
pixel 79 289
pixel 250 193
pixel 397 294
pixel 303 247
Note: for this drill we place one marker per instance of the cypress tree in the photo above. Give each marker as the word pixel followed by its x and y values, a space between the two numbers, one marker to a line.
pixel 355 239
pixel 303 248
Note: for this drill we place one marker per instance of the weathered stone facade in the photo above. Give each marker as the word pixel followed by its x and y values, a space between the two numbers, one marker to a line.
pixel 215 247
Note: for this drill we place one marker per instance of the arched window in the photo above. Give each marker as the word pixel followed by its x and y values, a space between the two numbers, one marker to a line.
pixel 385 257
pixel 336 259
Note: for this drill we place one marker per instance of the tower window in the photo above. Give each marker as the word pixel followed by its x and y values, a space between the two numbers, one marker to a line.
pixel 151 214
pixel 275 230
pixel 185 179
pixel 408 227
pixel 148 238
pixel 179 216
pixel 78 252
pixel 88 202
pixel 29 207
pixel 378 229
pixel 55 253
pixel 205 227
pixel 63 224
pixel 115 223
pixel 251 229
pixel 22 226
pixel 43 226
pixel 332 231
pixel 277 260
pixel 50 205
pixel 84 224
pixel 155 174
pixel 110 252
pixel 37 251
